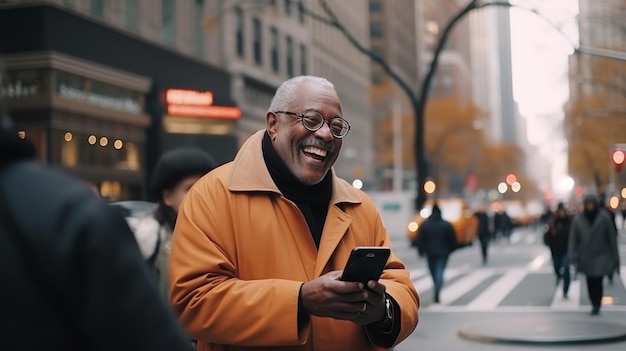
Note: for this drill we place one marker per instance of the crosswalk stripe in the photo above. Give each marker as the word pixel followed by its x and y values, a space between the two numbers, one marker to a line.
pixel 461 287
pixel 573 300
pixel 460 281
pixel 497 291
pixel 426 283
pixel 417 273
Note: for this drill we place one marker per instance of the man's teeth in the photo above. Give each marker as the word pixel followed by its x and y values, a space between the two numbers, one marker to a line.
pixel 315 151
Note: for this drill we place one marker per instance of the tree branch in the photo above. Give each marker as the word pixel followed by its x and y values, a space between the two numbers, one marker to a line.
pixel 334 21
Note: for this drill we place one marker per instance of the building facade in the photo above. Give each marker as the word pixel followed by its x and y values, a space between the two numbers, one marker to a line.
pixel 394 36
pixel 595 114
pixel 261 44
pixel 101 101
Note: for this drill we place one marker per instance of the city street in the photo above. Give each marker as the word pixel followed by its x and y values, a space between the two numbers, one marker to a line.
pixel 517 284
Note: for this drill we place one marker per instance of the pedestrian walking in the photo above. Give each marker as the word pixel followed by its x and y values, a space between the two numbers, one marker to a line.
pixel 558 240
pixel 260 242
pixel 174 174
pixel 623 212
pixel 502 225
pixel 436 240
pixel 484 232
pixel 604 207
pixel 73 277
pixel 593 248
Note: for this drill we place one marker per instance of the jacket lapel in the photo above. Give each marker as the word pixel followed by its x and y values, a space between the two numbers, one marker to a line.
pixel 336 226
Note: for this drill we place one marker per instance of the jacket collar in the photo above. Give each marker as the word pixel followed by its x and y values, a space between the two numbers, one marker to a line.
pixel 249 173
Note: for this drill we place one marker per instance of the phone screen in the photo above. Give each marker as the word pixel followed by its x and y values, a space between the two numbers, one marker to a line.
pixel 366 263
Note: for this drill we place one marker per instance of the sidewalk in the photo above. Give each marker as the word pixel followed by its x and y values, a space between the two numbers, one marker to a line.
pixel 545 330
pixel 530 331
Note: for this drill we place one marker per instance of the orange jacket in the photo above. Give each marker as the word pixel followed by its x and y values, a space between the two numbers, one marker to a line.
pixel 241 251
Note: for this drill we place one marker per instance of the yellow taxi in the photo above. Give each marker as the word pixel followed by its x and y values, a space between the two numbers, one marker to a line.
pixel 456 211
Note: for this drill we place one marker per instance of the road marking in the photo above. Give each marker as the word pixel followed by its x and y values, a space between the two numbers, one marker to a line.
pixel 497 291
pixel 573 300
pixel 451 293
pixel 426 283
pixel 512 309
pixel 538 261
pixel 530 238
pixel 417 273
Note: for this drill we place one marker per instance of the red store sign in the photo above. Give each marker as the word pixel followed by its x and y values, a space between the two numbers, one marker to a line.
pixel 193 103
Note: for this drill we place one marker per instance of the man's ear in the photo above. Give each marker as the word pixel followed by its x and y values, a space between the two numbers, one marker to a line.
pixel 272 124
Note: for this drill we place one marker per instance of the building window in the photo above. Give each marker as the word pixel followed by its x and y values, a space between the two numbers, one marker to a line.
pixel 168 20
pixel 288 7
pixel 199 28
pixel 131 15
pixel 375 6
pixel 376 30
pixel 274 38
pixel 289 56
pixel 303 60
pixel 239 31
pixel 257 42
pixel 96 7
pixel 301 15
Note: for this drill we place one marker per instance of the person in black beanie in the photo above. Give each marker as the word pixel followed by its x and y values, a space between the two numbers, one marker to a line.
pixel 174 174
pixel 73 276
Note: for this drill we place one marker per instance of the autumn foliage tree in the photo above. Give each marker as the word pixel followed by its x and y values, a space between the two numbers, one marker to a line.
pixel 457 149
pixel 453 140
pixel 595 117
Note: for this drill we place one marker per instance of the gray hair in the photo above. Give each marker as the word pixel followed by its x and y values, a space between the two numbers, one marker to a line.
pixel 286 91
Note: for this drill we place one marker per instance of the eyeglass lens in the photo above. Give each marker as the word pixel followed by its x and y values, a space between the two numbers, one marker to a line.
pixel 314 121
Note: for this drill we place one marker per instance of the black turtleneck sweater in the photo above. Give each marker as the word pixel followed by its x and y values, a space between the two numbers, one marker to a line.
pixel 312 200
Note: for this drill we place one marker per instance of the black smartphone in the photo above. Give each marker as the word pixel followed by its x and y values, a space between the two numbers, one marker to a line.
pixel 365 263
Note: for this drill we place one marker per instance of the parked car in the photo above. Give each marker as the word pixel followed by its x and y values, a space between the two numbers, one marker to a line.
pixel 456 211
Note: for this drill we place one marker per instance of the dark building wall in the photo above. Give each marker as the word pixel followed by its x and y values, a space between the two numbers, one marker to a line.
pixel 39 28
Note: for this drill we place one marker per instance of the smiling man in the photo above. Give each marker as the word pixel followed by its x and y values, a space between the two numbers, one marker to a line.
pixel 260 242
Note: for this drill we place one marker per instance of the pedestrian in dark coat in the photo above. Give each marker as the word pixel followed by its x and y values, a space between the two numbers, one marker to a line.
pixel 436 240
pixel 73 277
pixel 502 225
pixel 558 241
pixel 593 248
pixel 484 231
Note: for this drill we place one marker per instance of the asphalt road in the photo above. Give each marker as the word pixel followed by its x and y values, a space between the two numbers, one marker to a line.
pixel 517 285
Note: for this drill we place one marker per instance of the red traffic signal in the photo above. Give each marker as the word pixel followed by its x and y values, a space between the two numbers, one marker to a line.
pixel 618 157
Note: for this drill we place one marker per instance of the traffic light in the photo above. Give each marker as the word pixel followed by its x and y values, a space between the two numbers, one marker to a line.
pixel 618 157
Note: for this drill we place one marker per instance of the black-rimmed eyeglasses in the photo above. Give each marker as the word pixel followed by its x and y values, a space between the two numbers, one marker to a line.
pixel 313 121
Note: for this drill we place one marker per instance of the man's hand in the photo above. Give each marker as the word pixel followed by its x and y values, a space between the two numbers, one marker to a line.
pixel 328 296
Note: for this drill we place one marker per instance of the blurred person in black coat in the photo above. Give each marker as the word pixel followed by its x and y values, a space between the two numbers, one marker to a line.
pixel 602 202
pixel 484 231
pixel 72 274
pixel 436 240
pixel 558 241
pixel 593 248
pixel 502 225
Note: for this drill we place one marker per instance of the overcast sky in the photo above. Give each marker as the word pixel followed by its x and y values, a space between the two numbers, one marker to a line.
pixel 540 65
